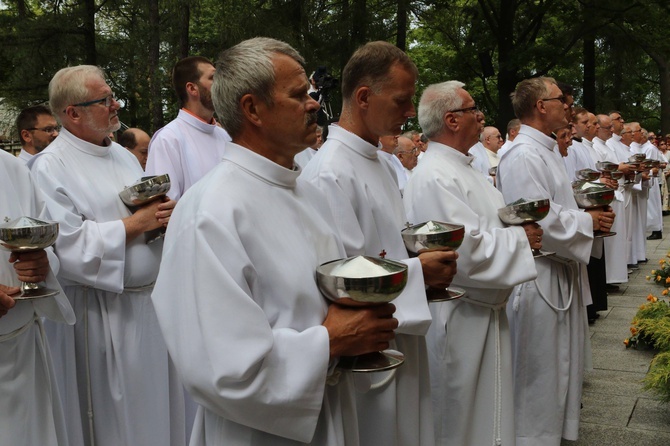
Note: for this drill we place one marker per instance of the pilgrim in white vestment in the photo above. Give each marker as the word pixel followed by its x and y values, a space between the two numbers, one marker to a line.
pixel 547 316
pixel 239 305
pixel 30 407
pixel 622 152
pixel 469 340
pixel 640 204
pixel 368 211
pixel 186 149
pixel 654 204
pixel 127 391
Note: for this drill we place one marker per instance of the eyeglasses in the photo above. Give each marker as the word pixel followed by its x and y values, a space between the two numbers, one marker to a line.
pixel 474 108
pixel 48 129
pixel 414 151
pixel 606 127
pixel 106 101
pixel 618 119
pixel 558 98
pixel 636 131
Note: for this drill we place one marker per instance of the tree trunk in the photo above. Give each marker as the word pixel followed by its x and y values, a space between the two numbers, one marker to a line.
pixel 359 24
pixel 155 102
pixel 589 86
pixel 90 53
pixel 401 35
pixel 184 23
pixel 507 70
pixel 664 76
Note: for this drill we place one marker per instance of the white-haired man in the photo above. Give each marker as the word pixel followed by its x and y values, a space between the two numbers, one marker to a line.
pixel 469 340
pixel 117 369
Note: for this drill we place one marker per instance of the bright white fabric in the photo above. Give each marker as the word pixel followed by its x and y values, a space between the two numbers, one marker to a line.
pixel 469 340
pixel 302 158
pixel 622 153
pixel 640 204
pixel 493 158
pixel 481 161
pixel 24 156
pixel 398 168
pixel 136 397
pixel 239 306
pixel 615 246
pixel 654 205
pixel 186 149
pixel 30 404
pixel 549 347
pixel 367 209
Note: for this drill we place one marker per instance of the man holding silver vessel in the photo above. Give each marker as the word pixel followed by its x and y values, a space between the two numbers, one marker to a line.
pixel 255 342
pixel 113 364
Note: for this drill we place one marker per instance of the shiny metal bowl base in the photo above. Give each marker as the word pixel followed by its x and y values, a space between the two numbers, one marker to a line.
pixel 432 235
pixel 637 157
pixel 588 174
pixel 28 234
pixel 616 175
pixel 606 166
pixel 524 211
pixel 382 280
pixel 590 200
pixel 145 190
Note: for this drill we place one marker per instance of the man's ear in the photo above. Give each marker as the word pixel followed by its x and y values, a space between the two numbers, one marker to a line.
pixel 26 136
pixel 249 105
pixel 362 97
pixel 192 89
pixel 450 121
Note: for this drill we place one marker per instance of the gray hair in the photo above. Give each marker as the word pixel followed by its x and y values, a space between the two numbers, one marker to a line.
pixel 436 101
pixel 246 68
pixel 527 93
pixel 68 86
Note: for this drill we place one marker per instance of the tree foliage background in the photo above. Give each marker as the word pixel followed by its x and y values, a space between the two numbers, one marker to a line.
pixel 613 52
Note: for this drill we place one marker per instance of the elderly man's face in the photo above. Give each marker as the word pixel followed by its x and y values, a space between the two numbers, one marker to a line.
pixel 593 127
pixel 98 117
pixel 555 104
pixel 605 128
pixel 408 153
pixel 617 123
pixel 389 109
pixel 626 136
pixel 290 122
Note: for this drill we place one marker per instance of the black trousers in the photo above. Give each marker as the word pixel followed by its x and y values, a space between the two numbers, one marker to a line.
pixel 597 284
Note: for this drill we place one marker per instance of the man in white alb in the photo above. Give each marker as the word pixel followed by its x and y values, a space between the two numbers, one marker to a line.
pixel 378 86
pixel 192 144
pixel 118 378
pixel 30 407
pixel 255 342
pixel 37 128
pixel 469 341
pixel 548 315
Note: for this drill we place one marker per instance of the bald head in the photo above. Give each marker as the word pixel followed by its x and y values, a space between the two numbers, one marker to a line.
pixel 491 138
pixel 137 142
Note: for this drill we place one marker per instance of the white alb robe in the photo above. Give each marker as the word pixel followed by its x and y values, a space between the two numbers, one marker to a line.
pixel 25 156
pixel 469 341
pixel 241 312
pixel 640 204
pixel 622 153
pixel 363 195
pixel 302 158
pixel 116 342
pixel 186 149
pixel 30 406
pixel 398 168
pixel 654 204
pixel 615 246
pixel 547 316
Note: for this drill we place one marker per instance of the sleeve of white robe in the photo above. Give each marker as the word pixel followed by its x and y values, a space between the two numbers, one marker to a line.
pixel 496 258
pixel 90 253
pixel 165 158
pixel 228 355
pixel 412 310
pixel 567 232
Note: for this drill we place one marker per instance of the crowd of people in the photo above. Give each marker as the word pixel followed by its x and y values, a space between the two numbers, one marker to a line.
pixel 218 333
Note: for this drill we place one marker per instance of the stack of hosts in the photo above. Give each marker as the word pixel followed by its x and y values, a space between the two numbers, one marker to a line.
pixel 235 315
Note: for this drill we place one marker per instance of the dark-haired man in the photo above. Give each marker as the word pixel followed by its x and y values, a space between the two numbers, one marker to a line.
pixel 37 128
pixel 378 86
pixel 189 146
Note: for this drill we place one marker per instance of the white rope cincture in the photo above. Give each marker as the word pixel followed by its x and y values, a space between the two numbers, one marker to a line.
pixel 89 389
pixel 497 416
pixel 571 264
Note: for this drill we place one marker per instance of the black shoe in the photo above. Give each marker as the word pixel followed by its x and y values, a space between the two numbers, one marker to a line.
pixel 643 261
pixel 666 213
pixel 611 288
pixel 633 266
pixel 656 235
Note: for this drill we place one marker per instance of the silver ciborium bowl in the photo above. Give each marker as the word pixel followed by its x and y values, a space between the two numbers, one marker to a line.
pixel 606 166
pixel 588 174
pixel 26 234
pixel 593 196
pixel 144 191
pixel 435 235
pixel 362 281
pixel 637 157
pixel 616 175
pixel 525 211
